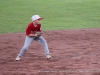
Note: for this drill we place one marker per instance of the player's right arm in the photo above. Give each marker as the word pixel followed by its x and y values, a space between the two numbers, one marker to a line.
pixel 32 34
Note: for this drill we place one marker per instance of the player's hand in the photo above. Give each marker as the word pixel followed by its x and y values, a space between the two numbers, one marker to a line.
pixel 38 34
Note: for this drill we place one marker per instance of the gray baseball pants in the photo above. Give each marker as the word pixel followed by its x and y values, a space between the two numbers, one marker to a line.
pixel 29 40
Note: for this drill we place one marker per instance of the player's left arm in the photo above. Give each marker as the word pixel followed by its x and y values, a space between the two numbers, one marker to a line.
pixel 39 30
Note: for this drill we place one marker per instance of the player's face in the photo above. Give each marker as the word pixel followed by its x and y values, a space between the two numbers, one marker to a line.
pixel 37 21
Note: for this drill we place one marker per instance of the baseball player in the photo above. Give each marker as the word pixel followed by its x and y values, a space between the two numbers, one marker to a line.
pixel 33 32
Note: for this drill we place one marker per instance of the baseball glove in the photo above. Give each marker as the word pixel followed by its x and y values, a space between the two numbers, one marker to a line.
pixel 38 35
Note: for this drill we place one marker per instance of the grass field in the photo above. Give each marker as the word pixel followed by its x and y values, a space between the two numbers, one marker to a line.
pixel 57 14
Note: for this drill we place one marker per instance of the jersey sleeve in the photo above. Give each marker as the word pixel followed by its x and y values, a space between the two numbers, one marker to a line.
pixel 28 30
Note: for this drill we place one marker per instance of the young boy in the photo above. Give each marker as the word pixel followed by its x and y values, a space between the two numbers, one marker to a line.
pixel 33 32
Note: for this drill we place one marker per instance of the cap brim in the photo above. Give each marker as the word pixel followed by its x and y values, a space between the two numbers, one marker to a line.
pixel 40 19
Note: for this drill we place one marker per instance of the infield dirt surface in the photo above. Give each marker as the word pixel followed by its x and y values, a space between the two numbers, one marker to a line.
pixel 74 52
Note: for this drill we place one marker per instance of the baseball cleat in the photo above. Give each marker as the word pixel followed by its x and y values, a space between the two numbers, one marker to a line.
pixel 18 58
pixel 48 56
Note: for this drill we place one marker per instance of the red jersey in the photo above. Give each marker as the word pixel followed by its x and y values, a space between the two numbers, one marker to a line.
pixel 31 28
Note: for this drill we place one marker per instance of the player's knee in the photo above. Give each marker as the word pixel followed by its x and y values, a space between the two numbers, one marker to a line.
pixel 44 42
pixel 25 48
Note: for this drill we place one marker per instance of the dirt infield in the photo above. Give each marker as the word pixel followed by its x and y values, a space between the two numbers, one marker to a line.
pixel 74 52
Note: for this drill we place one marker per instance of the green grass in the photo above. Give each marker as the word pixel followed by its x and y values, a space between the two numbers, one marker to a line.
pixel 58 14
